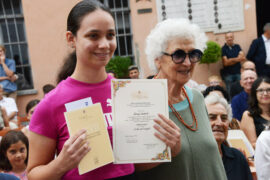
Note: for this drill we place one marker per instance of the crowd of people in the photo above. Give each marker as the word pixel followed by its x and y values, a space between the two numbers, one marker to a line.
pixel 199 119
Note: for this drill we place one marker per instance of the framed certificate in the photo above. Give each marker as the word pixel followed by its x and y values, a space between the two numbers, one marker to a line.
pixel 135 103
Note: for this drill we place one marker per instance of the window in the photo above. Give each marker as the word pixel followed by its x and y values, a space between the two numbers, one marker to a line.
pixel 13 37
pixel 120 10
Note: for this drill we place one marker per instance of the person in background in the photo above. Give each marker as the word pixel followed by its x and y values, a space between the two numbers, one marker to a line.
pixel 257 116
pixel 236 88
pixel 193 84
pixel 30 109
pixel 173 48
pixel 235 163
pixel 239 102
pixel 11 108
pixel 215 80
pixel 111 73
pixel 47 88
pixel 232 56
pixel 218 90
pixel 7 74
pixel 262 157
pixel 234 124
pixel 4 122
pixel 14 154
pixel 133 72
pixel 259 52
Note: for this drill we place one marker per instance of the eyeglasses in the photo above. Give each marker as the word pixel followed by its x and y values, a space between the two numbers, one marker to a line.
pixel 179 56
pixel 261 91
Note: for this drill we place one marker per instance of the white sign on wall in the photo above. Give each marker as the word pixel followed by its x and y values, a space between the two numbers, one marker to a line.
pixel 211 15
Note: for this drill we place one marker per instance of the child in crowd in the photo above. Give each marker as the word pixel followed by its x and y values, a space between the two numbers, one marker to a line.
pixel 47 88
pixel 14 154
pixel 30 108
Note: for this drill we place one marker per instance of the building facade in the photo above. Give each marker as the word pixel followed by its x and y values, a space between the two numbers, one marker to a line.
pixel 40 43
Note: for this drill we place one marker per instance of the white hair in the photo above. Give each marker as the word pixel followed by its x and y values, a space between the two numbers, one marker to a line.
pixel 213 98
pixel 157 40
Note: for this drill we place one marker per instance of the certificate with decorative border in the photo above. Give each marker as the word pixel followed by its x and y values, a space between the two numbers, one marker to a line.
pixel 135 105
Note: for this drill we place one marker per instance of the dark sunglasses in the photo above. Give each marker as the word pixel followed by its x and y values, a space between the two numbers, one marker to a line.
pixel 179 56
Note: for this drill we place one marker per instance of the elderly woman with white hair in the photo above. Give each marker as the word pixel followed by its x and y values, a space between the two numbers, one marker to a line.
pixel 173 48
pixel 220 115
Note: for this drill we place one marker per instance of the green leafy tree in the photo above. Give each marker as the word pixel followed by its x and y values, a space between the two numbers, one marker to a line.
pixel 119 65
pixel 212 53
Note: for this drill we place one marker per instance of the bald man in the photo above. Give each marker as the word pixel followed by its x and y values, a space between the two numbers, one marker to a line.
pixel 236 88
pixel 248 65
pixel 240 102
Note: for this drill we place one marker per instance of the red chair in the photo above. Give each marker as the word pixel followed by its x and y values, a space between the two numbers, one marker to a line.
pixel 22 121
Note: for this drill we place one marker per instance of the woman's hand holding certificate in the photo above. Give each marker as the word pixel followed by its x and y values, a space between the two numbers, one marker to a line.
pixel 170 134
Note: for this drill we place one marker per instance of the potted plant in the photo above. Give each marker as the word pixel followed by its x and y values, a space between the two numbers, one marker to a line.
pixel 211 54
pixel 119 65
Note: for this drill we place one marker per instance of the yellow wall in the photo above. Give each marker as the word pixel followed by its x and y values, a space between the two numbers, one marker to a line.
pixel 45 22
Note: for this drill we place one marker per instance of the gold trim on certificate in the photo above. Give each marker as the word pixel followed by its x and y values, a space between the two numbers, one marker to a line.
pixel 135 103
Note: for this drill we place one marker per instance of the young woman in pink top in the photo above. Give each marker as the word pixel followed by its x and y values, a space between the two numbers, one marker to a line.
pixel 91 32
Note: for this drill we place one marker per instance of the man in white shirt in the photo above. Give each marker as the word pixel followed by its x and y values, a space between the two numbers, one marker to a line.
pixel 10 106
pixel 259 52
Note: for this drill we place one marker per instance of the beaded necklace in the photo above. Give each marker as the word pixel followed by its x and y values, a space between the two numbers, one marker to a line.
pixel 179 117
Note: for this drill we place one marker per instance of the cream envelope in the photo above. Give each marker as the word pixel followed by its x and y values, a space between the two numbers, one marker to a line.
pixel 91 118
pixel 238 139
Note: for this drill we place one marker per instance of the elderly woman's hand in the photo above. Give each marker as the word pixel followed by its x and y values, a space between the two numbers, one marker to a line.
pixel 169 133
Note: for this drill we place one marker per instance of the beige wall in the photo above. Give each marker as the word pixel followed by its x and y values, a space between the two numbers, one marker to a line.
pixel 45 22
pixel 141 26
pixel 143 23
pixel 243 38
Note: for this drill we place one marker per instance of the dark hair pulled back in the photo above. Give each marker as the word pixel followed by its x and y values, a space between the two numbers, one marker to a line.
pixel 77 13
